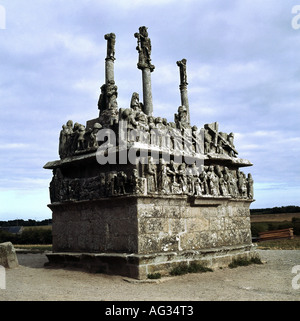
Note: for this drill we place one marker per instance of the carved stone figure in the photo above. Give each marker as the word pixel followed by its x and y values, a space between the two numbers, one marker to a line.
pixel 138 183
pixel 207 142
pixel 183 77
pixel 198 189
pixel 222 184
pixel 152 130
pixel 135 181
pixel 112 94
pixel 171 171
pixel 204 181
pixel 213 181
pixel 80 138
pixel 241 183
pixel 233 185
pixel 93 136
pixel 226 177
pixel 142 128
pixel 102 99
pixel 63 138
pixel 144 48
pixel 175 136
pixel 250 186
pixel 102 187
pixel 182 178
pixel 162 179
pixel 120 182
pixel 181 118
pixel 161 132
pixel 151 176
pixel 196 140
pixel 111 41
pixel 232 150
pixel 192 174
pixel 211 136
pixel 135 102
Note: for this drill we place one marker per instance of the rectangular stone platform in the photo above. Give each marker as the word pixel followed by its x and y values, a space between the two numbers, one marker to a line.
pixel 137 235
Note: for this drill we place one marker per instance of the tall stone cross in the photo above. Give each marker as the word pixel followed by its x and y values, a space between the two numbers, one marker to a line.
pixel 109 91
pixel 183 87
pixel 144 63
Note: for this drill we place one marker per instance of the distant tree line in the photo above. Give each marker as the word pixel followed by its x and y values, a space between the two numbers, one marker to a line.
pixel 276 210
pixel 28 236
pixel 257 227
pixel 34 235
pixel 29 222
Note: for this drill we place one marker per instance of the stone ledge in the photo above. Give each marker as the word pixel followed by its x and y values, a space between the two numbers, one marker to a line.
pixel 205 200
pixel 138 266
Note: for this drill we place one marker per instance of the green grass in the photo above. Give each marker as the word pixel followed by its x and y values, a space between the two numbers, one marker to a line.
pixel 244 262
pixel 281 244
pixel 193 267
pixel 40 227
pixel 154 276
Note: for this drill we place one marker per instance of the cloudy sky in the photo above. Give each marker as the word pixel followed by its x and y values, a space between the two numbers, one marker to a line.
pixel 243 71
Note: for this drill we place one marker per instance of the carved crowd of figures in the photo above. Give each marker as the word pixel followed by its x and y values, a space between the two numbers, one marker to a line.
pixel 154 131
pixel 74 139
pixel 215 180
pixel 161 178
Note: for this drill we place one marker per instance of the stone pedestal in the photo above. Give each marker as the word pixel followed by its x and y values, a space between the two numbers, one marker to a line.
pixel 137 235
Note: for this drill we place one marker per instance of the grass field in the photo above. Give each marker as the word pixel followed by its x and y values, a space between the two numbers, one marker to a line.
pixel 281 244
pixel 34 247
pixel 42 227
pixel 273 217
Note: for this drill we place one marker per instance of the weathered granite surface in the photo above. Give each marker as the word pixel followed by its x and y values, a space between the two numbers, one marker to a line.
pixel 8 257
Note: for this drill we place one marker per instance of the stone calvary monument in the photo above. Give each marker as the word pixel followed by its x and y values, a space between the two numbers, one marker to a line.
pixel 134 194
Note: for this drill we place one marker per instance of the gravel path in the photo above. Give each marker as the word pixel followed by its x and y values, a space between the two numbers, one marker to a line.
pixel 271 281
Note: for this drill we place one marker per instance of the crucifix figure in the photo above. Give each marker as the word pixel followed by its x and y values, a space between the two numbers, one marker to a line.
pixel 183 87
pixel 144 63
pixel 111 41
pixel 182 67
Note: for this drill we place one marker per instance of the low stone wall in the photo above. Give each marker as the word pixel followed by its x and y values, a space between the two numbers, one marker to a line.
pixel 8 257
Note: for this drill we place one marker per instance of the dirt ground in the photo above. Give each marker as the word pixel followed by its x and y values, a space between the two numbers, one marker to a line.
pixel 272 281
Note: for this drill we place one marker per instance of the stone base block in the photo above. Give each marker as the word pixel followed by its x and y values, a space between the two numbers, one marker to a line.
pixel 8 257
pixel 138 266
